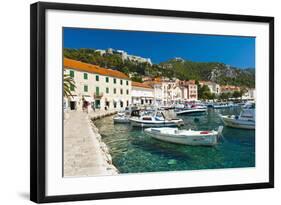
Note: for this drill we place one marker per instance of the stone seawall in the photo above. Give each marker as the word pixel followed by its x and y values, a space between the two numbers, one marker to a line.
pixel 84 152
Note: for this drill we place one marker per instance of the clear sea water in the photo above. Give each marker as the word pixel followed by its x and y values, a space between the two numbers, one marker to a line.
pixel 133 151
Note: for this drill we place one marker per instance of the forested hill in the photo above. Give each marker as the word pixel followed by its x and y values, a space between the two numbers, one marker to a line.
pixel 177 67
pixel 213 71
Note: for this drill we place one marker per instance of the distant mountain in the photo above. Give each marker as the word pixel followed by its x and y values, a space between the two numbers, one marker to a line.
pixel 211 71
pixel 177 67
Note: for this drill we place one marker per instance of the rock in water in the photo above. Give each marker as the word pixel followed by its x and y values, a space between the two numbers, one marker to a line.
pixel 196 119
pixel 172 161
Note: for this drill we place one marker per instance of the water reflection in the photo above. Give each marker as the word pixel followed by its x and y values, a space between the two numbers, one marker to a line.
pixel 133 151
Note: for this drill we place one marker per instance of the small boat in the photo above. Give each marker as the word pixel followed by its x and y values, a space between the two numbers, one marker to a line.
pixel 167 107
pixel 121 118
pixel 156 120
pixel 192 109
pixel 249 105
pixel 246 119
pixel 210 105
pixel 186 137
pixel 221 106
pixel 179 106
pixel 124 116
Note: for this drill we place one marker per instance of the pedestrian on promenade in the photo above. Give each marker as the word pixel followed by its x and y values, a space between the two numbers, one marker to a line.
pixel 93 106
pixel 85 106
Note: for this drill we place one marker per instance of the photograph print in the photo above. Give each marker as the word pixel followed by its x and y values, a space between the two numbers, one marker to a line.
pixel 142 101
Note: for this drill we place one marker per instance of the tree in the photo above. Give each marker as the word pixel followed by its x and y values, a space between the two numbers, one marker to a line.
pixel 204 92
pixel 225 96
pixel 212 96
pixel 236 94
pixel 68 82
pixel 173 68
pixel 243 90
pixel 137 79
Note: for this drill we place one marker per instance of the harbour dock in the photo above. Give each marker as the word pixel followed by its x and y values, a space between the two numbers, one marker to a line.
pixel 84 152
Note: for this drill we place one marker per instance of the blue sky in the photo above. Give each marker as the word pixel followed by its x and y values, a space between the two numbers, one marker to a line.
pixel 232 50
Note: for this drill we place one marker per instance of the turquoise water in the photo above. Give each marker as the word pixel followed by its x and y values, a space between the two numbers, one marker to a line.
pixel 133 151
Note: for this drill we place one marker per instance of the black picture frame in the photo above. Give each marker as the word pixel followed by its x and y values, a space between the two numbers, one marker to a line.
pixel 38 101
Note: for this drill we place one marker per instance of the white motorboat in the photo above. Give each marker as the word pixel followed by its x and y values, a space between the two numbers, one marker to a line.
pixel 167 107
pixel 179 106
pixel 221 106
pixel 249 105
pixel 124 116
pixel 186 137
pixel 121 118
pixel 192 109
pixel 188 111
pixel 156 120
pixel 246 119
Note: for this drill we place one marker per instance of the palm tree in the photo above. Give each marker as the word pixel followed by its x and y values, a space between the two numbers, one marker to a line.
pixel 68 82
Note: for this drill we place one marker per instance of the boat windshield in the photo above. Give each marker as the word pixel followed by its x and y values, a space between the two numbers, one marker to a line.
pixel 159 116
pixel 248 113
pixel 135 113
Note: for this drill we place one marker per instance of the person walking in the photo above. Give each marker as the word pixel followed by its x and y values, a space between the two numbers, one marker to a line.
pixel 85 106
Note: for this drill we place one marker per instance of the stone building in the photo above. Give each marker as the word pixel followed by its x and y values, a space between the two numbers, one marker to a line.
pixel 102 88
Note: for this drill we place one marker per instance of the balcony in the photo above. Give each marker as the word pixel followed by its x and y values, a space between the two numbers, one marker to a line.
pixel 98 95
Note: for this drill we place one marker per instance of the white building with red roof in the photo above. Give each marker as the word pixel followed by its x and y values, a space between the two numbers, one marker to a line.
pixel 213 87
pixel 142 94
pixel 101 88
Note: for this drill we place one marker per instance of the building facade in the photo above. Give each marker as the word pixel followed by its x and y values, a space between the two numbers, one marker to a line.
pixel 192 92
pixel 250 94
pixel 101 88
pixel 125 56
pixel 168 92
pixel 158 93
pixel 229 88
pixel 213 87
pixel 142 94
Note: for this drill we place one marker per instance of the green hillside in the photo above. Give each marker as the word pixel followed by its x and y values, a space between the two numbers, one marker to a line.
pixel 179 68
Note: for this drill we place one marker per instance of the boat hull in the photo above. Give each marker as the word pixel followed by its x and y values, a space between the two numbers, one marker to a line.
pixel 221 107
pixel 236 123
pixel 195 140
pixel 121 120
pixel 139 123
pixel 190 111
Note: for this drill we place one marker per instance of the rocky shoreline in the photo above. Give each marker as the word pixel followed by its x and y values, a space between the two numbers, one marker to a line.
pixel 103 146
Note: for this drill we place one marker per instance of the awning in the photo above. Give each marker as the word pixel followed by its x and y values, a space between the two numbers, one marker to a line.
pixel 74 98
pixel 88 98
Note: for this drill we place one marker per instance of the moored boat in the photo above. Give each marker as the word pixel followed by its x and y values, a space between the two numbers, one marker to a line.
pixel 192 109
pixel 124 116
pixel 246 119
pixel 156 120
pixel 221 105
pixel 186 137
pixel 121 118
pixel 249 105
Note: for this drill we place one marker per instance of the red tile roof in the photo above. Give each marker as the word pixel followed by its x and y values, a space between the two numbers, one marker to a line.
pixel 230 88
pixel 78 65
pixel 143 85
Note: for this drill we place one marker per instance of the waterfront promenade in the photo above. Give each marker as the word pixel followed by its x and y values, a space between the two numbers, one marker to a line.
pixel 84 152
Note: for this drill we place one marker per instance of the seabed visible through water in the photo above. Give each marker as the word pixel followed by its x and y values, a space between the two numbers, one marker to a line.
pixel 133 151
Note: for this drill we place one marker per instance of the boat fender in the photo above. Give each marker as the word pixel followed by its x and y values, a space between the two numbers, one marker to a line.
pixel 204 132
